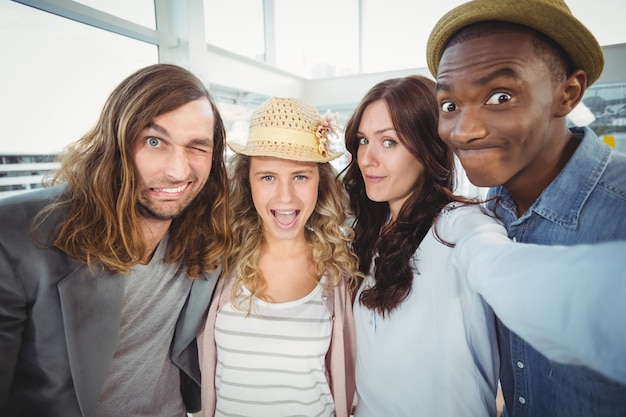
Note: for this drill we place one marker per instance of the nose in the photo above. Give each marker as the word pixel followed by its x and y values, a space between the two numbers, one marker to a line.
pixel 176 165
pixel 285 191
pixel 467 127
pixel 366 156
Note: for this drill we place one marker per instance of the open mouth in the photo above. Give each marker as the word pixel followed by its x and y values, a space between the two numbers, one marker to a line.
pixel 285 218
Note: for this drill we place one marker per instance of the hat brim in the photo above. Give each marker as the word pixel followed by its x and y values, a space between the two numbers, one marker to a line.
pixel 282 150
pixel 551 20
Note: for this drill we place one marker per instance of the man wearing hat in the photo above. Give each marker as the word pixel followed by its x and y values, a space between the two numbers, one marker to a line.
pixel 508 73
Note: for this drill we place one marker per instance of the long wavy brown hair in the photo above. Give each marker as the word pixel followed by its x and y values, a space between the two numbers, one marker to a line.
pixel 102 226
pixel 327 232
pixel 414 113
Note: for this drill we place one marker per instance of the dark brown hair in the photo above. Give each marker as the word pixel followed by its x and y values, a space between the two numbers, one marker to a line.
pixel 414 113
pixel 102 226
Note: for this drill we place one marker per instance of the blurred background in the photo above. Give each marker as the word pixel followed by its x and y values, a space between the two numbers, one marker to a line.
pixel 62 58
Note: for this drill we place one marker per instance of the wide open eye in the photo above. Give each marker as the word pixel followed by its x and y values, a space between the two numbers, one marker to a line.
pixel 498 98
pixel 388 143
pixel 448 106
pixel 152 141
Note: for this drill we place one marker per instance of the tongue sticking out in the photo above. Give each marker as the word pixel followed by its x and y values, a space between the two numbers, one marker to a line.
pixel 286 218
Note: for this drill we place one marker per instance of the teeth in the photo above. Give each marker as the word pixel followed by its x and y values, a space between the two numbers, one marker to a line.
pixel 285 212
pixel 170 190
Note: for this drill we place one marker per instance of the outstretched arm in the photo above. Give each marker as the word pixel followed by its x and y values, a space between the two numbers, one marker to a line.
pixel 569 302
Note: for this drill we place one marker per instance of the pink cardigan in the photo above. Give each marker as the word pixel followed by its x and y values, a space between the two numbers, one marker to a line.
pixel 340 359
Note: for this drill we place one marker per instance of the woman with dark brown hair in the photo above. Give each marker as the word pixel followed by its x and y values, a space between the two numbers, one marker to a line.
pixel 425 340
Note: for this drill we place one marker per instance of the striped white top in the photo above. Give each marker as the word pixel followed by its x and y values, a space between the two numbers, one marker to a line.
pixel 272 362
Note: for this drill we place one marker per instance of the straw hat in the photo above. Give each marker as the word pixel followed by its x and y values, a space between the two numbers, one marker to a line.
pixel 289 128
pixel 551 17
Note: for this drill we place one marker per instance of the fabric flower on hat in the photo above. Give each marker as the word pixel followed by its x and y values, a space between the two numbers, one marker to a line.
pixel 328 125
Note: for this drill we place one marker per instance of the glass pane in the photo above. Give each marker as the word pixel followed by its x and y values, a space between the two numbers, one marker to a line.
pixel 137 11
pixel 236 26
pixel 56 75
pixel 395 32
pixel 607 103
pixel 317 39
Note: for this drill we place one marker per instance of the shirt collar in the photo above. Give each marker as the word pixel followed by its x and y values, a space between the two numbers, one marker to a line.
pixel 562 201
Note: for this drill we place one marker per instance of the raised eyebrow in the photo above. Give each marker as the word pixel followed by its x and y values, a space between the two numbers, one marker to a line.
pixel 377 132
pixel 502 72
pixel 158 128
pixel 442 87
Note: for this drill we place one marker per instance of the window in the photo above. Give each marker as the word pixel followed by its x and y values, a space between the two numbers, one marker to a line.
pixel 236 26
pixel 395 32
pixel 56 75
pixel 317 39
pixel 137 11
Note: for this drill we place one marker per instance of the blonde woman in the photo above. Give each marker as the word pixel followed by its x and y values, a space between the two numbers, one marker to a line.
pixel 279 338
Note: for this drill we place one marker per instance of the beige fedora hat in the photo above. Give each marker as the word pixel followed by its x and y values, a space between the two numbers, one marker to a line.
pixel 289 128
pixel 551 17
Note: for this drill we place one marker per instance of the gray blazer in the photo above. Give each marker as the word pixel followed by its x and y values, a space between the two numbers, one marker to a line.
pixel 59 321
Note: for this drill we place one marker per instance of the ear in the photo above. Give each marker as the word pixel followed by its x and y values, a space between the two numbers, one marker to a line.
pixel 570 92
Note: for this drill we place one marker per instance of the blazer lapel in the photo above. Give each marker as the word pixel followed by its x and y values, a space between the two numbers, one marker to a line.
pixel 191 318
pixel 92 308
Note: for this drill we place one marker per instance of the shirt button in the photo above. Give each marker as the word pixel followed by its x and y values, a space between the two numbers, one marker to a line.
pixel 324 298
pixel 522 400
pixel 520 364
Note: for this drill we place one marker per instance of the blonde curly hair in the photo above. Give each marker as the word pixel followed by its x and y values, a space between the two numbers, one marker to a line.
pixel 329 234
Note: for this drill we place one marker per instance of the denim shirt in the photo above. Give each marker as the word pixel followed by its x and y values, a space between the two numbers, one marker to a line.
pixel 585 203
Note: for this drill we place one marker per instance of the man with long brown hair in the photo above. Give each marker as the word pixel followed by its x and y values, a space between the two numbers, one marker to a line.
pixel 106 276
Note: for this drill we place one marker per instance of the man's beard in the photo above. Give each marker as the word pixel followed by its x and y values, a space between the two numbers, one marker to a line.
pixel 149 210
